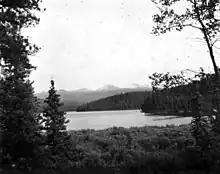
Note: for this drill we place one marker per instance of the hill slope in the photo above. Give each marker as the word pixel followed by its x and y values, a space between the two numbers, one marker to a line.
pixel 123 101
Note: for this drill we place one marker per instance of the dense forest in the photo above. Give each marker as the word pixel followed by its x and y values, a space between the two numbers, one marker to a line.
pixel 175 94
pixel 126 101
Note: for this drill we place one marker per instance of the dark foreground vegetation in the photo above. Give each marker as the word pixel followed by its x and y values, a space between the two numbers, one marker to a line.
pixel 170 149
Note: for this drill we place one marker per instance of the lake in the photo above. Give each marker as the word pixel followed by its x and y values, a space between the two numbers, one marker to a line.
pixel 129 118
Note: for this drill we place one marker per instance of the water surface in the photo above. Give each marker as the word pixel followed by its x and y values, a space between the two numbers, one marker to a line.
pixel 129 118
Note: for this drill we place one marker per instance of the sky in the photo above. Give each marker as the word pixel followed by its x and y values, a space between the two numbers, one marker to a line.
pixel 91 43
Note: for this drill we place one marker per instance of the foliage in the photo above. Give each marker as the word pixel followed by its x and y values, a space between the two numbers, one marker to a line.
pixel 170 95
pixel 202 15
pixel 174 93
pixel 168 149
pixel 198 14
pixel 54 121
pixel 200 126
pixel 19 119
pixel 149 149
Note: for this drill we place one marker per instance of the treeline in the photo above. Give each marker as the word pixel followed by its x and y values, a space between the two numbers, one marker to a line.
pixel 176 94
pixel 130 100
pixel 68 105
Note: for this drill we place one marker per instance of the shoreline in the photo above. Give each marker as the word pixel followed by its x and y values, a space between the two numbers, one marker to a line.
pixel 131 128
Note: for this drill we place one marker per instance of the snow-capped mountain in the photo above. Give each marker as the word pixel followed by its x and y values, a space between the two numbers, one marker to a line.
pixel 108 88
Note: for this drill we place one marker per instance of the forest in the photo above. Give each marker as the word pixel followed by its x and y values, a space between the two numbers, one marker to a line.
pixel 126 101
pixel 176 94
pixel 34 141
pixel 68 105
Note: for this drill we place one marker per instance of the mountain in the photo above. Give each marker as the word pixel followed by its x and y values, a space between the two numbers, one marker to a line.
pixel 135 85
pixel 73 99
pixel 108 88
pixel 83 90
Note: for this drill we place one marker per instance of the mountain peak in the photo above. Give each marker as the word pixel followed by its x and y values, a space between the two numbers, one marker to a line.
pixel 83 90
pixel 108 88
pixel 135 85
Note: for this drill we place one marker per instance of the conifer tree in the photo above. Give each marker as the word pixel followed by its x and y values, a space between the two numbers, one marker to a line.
pixel 19 117
pixel 55 122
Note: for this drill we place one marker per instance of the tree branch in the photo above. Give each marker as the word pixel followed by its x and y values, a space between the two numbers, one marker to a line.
pixel 216 40
pixel 191 1
pixel 199 40
pixel 217 53
pixel 183 25
pixel 216 47
pixel 191 25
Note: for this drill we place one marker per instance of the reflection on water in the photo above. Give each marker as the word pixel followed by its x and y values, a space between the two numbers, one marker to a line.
pixel 129 118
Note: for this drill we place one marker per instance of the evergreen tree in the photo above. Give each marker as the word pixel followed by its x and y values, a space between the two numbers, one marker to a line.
pixel 55 122
pixel 19 116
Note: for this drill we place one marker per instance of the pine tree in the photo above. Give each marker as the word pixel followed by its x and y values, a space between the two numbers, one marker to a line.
pixel 19 116
pixel 55 122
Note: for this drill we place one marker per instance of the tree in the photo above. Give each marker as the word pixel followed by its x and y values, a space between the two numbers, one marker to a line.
pixel 55 122
pixel 199 14
pixel 170 89
pixel 148 105
pixel 19 116
pixel 202 15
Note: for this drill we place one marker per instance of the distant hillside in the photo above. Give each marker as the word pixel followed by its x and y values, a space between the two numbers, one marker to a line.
pixel 69 105
pixel 129 100
pixel 182 99
pixel 73 99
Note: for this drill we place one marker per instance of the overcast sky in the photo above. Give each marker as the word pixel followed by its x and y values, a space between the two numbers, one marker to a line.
pixel 91 43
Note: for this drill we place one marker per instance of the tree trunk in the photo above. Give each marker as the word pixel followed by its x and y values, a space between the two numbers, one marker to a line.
pixel 211 53
pixel 208 42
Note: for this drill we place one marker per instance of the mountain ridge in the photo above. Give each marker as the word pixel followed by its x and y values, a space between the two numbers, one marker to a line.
pixel 108 88
pixel 75 98
pixel 104 87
